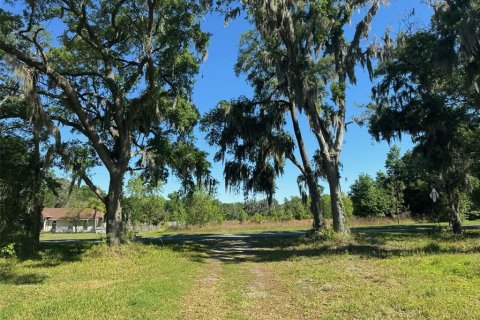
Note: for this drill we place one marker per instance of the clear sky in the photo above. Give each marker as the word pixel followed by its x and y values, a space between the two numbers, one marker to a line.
pixel 217 81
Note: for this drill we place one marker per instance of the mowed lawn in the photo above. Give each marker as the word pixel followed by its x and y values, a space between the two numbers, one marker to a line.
pixel 407 274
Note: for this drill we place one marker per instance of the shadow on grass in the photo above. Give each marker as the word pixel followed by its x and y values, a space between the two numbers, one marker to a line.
pixel 51 254
pixel 366 244
pixel 48 255
pixel 21 279
pixel 370 242
pixel 8 275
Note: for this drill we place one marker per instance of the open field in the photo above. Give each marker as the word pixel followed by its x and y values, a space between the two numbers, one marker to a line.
pixel 235 227
pixel 367 275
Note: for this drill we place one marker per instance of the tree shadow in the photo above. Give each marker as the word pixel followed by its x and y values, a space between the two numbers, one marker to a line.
pixel 52 254
pixel 365 244
pixel 418 228
pixel 8 275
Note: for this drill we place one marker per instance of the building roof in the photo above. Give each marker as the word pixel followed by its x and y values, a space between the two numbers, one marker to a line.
pixel 69 213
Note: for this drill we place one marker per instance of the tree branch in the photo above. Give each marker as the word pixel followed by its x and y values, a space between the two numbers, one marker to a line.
pixel 294 160
pixel 71 96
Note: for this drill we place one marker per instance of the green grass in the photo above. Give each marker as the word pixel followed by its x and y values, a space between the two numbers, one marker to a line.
pixel 233 227
pixel 95 282
pixel 367 275
pixel 230 227
pixel 370 274
pixel 373 276
pixel 44 236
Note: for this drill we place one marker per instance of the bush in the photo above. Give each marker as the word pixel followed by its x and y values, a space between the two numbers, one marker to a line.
pixel 257 218
pixel 296 209
pixel 367 198
pixel 242 216
pixel 8 250
pixel 201 209
pixel 347 206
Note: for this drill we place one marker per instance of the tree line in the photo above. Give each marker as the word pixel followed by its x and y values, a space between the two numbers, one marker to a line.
pixel 112 86
pixel 405 189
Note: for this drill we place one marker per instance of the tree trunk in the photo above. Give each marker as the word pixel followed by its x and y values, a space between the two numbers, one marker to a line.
pixel 338 214
pixel 114 217
pixel 36 214
pixel 455 220
pixel 36 224
pixel 315 206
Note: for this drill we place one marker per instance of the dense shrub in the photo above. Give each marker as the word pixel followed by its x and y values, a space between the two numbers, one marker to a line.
pixel 201 209
pixel 368 199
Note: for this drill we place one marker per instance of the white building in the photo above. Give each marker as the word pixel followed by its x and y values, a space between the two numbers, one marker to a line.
pixel 72 220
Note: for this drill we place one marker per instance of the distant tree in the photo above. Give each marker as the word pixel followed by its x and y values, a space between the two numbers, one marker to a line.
pixel 393 184
pixel 296 208
pixel 261 207
pixel 368 199
pixel 327 206
pixel 175 208
pixel 233 211
pixel 348 205
pixel 143 203
pixel 201 209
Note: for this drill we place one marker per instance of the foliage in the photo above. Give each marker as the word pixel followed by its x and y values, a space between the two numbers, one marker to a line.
pixel 347 206
pixel 143 203
pixel 16 189
pixel 262 207
pixel 257 218
pixel 175 207
pixel 296 208
pixel 368 199
pixel 327 206
pixel 8 250
pixel 242 217
pixel 201 209
pixel 62 193
pixel 418 93
pixel 393 183
pixel 233 211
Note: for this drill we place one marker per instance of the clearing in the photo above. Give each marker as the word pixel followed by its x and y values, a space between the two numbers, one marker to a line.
pixel 413 272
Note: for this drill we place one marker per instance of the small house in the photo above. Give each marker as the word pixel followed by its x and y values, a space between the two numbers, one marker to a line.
pixel 72 220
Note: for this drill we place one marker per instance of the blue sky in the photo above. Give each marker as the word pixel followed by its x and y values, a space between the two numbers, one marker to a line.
pixel 217 81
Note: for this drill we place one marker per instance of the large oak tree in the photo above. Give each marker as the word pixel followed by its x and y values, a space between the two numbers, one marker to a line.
pixel 119 75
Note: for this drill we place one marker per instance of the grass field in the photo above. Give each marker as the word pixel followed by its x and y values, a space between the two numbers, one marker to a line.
pixel 418 273
pixel 71 236
pixel 229 227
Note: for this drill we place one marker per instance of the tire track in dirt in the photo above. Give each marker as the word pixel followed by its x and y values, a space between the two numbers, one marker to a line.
pixel 232 285
pixel 204 300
